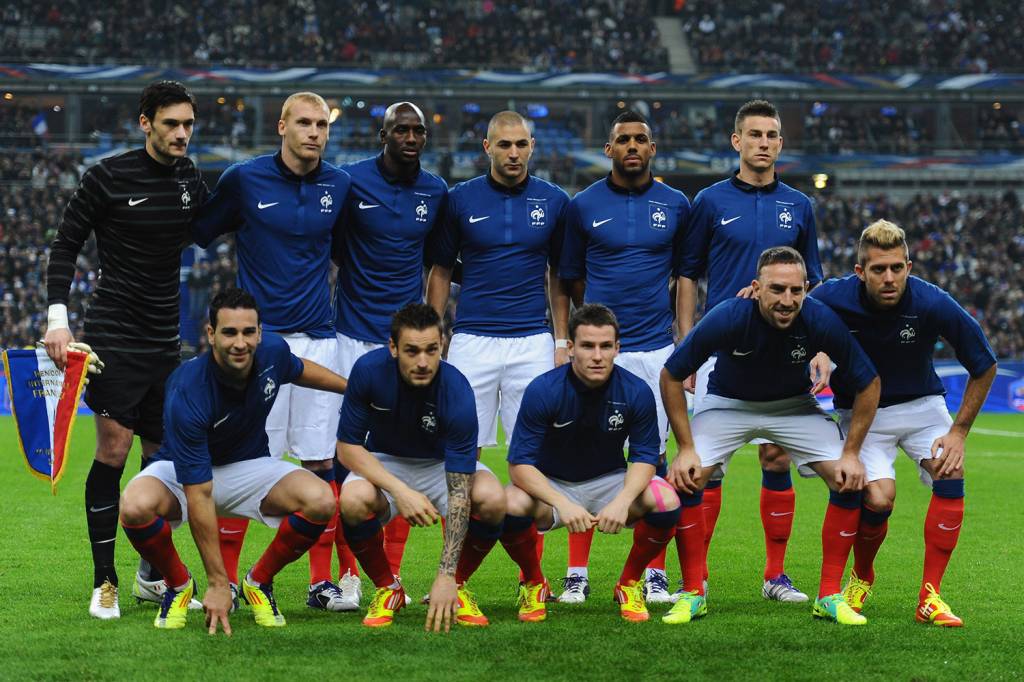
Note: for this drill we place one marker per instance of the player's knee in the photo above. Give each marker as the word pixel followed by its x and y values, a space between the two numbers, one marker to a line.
pixel 517 502
pixel 879 500
pixel 661 496
pixel 321 503
pixel 773 458
pixel 357 501
pixel 135 509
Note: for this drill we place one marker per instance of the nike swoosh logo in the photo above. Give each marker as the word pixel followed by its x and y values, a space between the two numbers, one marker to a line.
pixel 103 542
pixel 220 421
pixel 363 206
pixel 689 526
pixel 740 355
pixel 101 509
pixel 382 409
pixel 847 534
pixel 781 513
pixel 726 222
pixel 562 425
pixel 474 219
pixel 262 206
pixel 136 202
pixel 230 532
pixel 599 223
pixel 953 528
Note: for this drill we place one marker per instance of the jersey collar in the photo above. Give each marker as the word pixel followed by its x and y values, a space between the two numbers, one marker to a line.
pixel 515 189
pixel 747 187
pixel 159 168
pixel 288 174
pixel 625 190
pixel 394 179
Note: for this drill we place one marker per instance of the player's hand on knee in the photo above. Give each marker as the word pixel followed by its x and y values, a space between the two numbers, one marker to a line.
pixel 416 508
pixel 951 459
pixel 56 343
pixel 849 474
pixel 444 603
pixel 685 471
pixel 821 372
pixel 576 518
pixel 612 518
pixel 217 604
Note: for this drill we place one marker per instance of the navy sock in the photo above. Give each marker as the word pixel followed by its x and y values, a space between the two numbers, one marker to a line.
pixel 102 494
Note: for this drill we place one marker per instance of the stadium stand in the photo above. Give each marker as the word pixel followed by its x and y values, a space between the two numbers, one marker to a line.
pixel 858 37
pixel 608 35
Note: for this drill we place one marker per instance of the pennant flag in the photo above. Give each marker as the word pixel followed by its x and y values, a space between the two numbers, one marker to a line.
pixel 44 401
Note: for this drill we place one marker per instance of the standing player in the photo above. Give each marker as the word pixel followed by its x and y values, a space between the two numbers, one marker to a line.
pixel 622 244
pixel 732 222
pixel 140 205
pixel 391 208
pixel 408 433
pixel 898 319
pixel 215 461
pixel 759 388
pixel 507 225
pixel 284 208
pixel 566 463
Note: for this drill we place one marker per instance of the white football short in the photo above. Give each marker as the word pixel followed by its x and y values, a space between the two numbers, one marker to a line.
pixel 796 424
pixel 238 489
pixel 597 493
pixel 304 421
pixel 912 426
pixel 499 370
pixel 426 476
pixel 647 365
pixel 700 392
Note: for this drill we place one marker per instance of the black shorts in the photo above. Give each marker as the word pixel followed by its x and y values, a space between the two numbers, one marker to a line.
pixel 131 391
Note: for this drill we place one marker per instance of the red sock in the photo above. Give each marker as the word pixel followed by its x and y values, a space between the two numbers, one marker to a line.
pixel 838 532
pixel 691 532
pixel 871 532
pixel 941 531
pixel 521 545
pixel 712 506
pixel 320 553
pixel 648 541
pixel 346 559
pixel 579 548
pixel 396 533
pixel 153 543
pixel 658 562
pixel 366 541
pixel 540 554
pixel 232 534
pixel 295 536
pixel 480 539
pixel 777 508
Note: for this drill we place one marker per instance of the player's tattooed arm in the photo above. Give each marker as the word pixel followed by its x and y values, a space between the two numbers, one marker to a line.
pixel 457 522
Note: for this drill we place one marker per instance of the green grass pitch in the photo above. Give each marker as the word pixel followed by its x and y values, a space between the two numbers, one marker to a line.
pixel 45 580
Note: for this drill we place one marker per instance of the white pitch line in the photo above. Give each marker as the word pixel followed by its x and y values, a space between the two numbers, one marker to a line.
pixel 994 432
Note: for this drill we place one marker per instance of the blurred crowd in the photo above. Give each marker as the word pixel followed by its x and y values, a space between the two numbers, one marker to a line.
pixel 972 246
pixel 976 36
pixel 608 35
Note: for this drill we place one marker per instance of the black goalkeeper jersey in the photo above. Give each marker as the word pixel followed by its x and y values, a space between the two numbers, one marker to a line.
pixel 140 211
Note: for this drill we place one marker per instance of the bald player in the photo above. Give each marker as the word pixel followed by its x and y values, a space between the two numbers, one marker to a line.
pixel 392 207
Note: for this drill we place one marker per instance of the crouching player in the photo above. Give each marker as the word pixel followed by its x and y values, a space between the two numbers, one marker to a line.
pixel 408 434
pixel 566 464
pixel 215 462
pixel 760 388
pixel 897 320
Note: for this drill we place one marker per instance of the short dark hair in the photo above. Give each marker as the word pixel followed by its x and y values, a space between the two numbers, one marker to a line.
pixel 416 316
pixel 628 116
pixel 593 315
pixel 780 255
pixel 757 107
pixel 161 94
pixel 232 298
